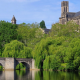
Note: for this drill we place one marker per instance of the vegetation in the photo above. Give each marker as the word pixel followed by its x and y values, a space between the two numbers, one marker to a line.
pixel 30 34
pixel 16 49
pixel 42 24
pixel 20 66
pixel 7 33
pixel 1 67
pixel 59 50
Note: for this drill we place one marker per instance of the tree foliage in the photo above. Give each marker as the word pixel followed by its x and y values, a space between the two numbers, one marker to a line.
pixel 30 34
pixel 16 49
pixel 42 24
pixel 60 50
pixel 7 33
pixel 45 48
pixel 69 30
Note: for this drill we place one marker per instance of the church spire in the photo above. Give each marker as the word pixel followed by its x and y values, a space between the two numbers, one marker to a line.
pixel 13 21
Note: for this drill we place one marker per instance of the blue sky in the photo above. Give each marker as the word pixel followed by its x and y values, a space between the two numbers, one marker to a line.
pixel 31 11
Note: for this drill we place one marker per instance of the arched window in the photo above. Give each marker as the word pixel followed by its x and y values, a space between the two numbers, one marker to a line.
pixel 64 9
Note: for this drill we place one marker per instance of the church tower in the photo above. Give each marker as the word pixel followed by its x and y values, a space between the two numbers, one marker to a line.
pixel 64 8
pixel 13 21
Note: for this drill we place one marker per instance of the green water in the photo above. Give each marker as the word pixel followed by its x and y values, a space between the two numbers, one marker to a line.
pixel 38 75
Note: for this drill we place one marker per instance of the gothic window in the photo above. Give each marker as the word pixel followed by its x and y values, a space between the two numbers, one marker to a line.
pixel 64 9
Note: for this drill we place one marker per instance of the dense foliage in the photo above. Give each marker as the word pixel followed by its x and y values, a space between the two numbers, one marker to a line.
pixel 16 49
pixel 42 24
pixel 59 50
pixel 30 34
pixel 7 33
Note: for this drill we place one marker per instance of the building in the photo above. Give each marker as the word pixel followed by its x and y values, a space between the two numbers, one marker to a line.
pixel 46 31
pixel 13 21
pixel 68 16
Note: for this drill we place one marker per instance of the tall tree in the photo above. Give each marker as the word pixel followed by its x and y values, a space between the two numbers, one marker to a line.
pixel 42 24
pixel 7 33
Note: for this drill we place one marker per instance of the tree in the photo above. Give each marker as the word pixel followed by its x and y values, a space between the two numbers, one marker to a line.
pixel 69 29
pixel 30 33
pixel 7 33
pixel 46 47
pixel 42 24
pixel 16 49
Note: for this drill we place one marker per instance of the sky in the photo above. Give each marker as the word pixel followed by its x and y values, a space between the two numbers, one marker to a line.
pixel 31 11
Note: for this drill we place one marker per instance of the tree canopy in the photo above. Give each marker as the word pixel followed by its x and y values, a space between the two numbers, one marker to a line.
pixel 7 33
pixel 42 24
pixel 59 50
pixel 69 30
pixel 30 34
pixel 16 49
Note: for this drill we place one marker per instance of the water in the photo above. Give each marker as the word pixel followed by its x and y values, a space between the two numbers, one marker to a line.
pixel 38 75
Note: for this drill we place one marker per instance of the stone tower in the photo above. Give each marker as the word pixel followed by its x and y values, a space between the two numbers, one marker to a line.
pixel 13 21
pixel 64 8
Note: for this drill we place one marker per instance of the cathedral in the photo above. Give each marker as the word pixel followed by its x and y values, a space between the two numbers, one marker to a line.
pixel 68 16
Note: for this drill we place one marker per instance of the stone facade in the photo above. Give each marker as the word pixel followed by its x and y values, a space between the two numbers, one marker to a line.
pixel 68 16
pixel 45 31
pixel 9 63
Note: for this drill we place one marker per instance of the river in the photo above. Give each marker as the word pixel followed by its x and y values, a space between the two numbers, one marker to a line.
pixel 38 75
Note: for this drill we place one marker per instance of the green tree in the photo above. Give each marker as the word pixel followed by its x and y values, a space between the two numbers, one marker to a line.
pixel 42 24
pixel 69 30
pixel 7 33
pixel 16 49
pixel 46 47
pixel 30 34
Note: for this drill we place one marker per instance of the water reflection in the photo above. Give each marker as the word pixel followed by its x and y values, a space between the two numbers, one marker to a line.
pixel 38 75
pixel 60 75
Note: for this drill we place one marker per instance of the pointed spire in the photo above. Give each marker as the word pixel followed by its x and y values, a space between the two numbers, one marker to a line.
pixel 13 21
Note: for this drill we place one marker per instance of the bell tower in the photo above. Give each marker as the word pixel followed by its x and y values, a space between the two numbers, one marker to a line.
pixel 64 8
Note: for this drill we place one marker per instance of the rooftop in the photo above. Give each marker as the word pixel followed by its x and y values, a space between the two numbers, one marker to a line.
pixel 77 14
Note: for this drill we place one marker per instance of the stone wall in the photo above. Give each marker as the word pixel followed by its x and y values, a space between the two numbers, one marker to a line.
pixel 33 64
pixel 2 62
pixel 9 63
